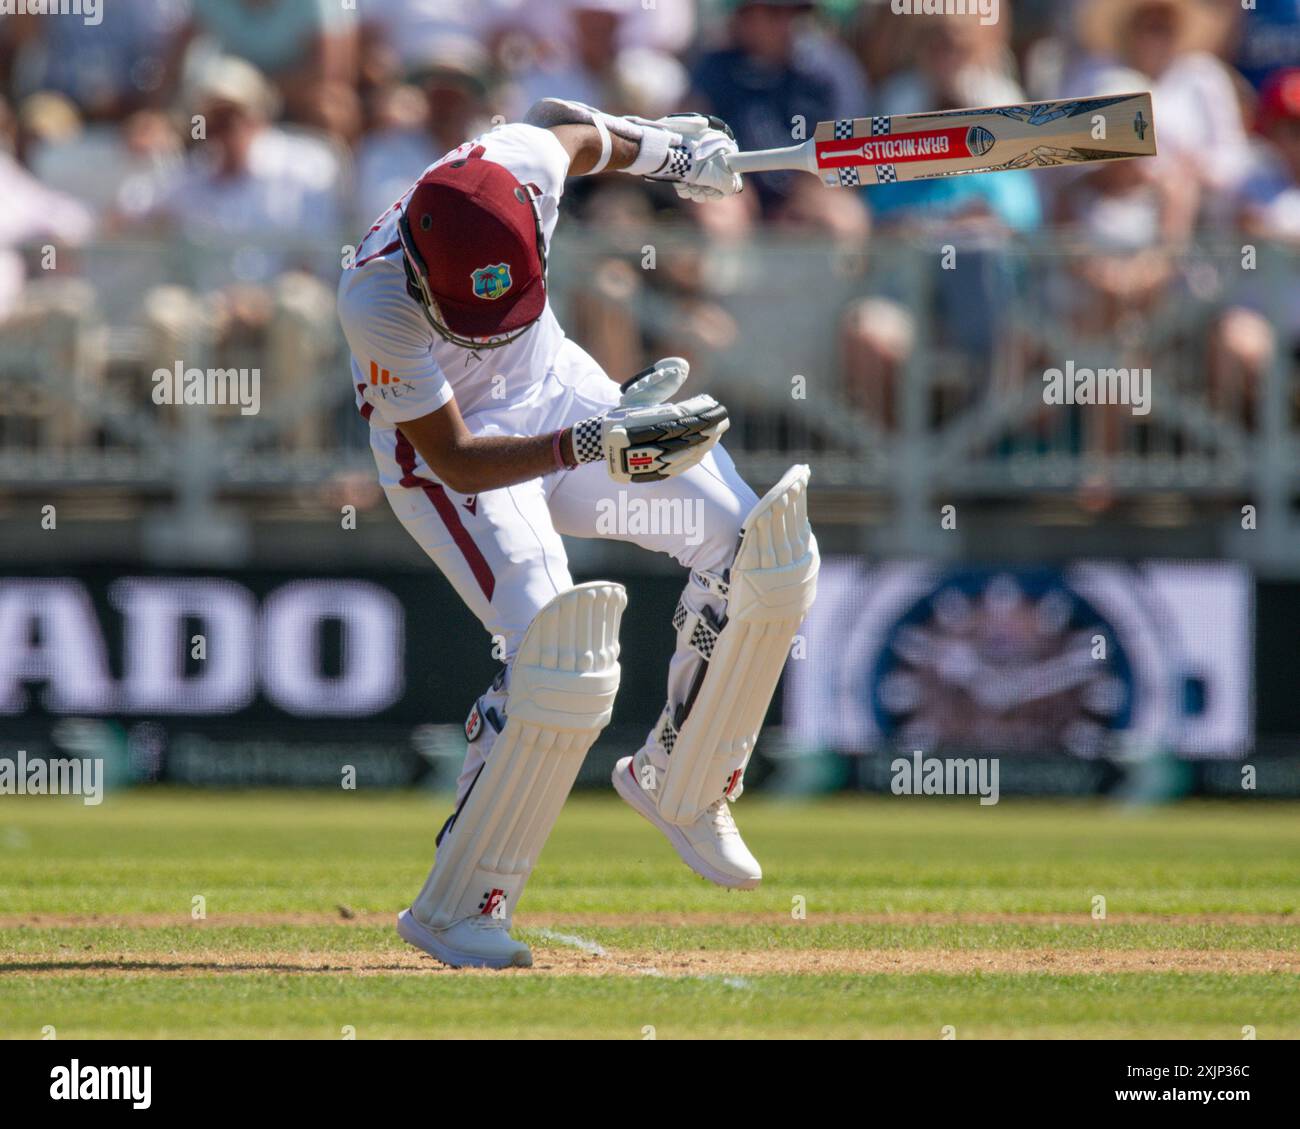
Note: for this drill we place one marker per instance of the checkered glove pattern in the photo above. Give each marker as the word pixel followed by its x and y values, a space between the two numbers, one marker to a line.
pixel 698 167
pixel 679 163
pixel 651 443
pixel 645 439
pixel 587 445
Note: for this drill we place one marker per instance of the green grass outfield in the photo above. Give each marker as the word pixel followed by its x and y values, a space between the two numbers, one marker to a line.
pixel 878 918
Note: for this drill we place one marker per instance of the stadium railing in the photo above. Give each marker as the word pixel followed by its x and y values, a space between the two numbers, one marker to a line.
pixel 769 325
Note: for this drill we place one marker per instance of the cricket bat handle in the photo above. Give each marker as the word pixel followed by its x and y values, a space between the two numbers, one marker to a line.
pixel 775 160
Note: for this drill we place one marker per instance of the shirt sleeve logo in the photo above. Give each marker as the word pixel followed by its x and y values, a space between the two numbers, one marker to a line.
pixel 385 385
pixel 491 282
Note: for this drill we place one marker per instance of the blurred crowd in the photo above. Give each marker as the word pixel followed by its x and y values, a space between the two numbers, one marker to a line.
pixel 272 131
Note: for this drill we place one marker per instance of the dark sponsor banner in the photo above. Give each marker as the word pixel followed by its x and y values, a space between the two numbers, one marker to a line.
pixel 1091 662
pixel 195 646
pixel 221 681
pixel 270 677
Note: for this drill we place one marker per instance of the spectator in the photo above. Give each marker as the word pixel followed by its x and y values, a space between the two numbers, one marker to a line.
pixel 107 69
pixel 958 63
pixel 1270 198
pixel 32 212
pixel 776 72
pixel 1172 44
pixel 1247 337
pixel 399 35
pixel 247 183
pixel 628 315
pixel 666 26
pixel 1130 216
pixel 1269 38
pixel 59 147
pixel 589 62
pixel 444 104
pixel 49 312
pixel 261 208
pixel 1126 225
pixel 44 119
pixel 308 48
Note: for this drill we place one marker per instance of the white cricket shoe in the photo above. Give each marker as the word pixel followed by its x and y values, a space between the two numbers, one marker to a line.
pixel 471 942
pixel 711 846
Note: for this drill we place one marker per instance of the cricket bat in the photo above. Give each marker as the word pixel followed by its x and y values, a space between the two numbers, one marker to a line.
pixel 852 152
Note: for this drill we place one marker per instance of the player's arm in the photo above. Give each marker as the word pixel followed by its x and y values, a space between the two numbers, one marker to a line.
pixel 583 144
pixel 471 464
pixel 644 439
pixel 386 331
pixel 687 150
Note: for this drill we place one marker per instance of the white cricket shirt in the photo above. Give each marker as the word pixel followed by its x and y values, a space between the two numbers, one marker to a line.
pixel 401 368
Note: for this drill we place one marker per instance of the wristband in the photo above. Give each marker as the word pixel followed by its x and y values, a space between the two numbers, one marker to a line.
pixel 660 150
pixel 557 450
pixel 606 144
pixel 653 153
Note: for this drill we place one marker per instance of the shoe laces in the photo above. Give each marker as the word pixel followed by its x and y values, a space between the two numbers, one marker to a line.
pixel 721 818
pixel 486 923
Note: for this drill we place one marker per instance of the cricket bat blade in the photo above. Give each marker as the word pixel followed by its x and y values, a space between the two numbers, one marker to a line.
pixel 852 152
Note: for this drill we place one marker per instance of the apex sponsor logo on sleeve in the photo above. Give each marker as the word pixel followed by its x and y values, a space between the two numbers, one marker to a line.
pixel 75 1082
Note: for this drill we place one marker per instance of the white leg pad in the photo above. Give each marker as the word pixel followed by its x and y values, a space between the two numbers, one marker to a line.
pixel 770 587
pixel 562 686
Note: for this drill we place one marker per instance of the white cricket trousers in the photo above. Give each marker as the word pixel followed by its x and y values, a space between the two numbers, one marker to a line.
pixel 502 549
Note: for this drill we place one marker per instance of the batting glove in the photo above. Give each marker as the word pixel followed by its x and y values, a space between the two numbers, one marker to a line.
pixel 706 143
pixel 645 439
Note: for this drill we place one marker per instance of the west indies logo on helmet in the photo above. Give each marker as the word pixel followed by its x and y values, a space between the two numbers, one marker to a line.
pixel 474 252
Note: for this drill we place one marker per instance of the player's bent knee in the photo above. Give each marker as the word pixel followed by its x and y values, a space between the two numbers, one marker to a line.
pixel 721 521
pixel 768 590
pixel 561 691
pixel 565 674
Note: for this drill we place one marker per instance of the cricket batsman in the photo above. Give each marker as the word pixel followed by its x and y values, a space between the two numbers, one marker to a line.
pixel 494 434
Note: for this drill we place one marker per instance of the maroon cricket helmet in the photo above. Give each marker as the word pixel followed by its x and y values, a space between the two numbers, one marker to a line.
pixel 475 254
